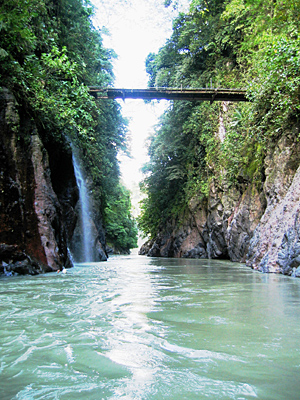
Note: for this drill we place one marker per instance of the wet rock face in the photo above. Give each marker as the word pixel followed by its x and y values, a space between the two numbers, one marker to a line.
pixel 15 261
pixel 38 198
pixel 47 208
pixel 185 241
pixel 259 226
pixel 98 250
pixel 246 214
pixel 220 228
pixel 65 187
pixel 32 235
pixel 64 184
pixel 275 246
pixel 98 232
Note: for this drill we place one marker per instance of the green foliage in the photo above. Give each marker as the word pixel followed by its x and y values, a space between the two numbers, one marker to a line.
pixel 276 89
pixel 178 153
pixel 199 50
pixel 234 43
pixel 241 157
pixel 120 226
pixel 49 55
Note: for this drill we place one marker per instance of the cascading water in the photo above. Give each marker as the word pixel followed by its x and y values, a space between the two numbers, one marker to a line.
pixel 86 242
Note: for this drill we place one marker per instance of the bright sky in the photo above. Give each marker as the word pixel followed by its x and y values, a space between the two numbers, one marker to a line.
pixel 137 27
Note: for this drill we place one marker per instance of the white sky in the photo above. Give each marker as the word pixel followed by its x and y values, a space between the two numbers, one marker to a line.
pixel 137 27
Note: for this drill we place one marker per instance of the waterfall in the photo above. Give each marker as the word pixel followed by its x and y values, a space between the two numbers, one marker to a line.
pixel 86 227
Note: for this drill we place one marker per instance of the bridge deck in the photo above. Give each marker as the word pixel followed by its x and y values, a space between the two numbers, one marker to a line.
pixel 212 94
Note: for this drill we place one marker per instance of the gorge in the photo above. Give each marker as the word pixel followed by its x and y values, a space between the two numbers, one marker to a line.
pixel 222 179
pixel 213 312
pixel 233 224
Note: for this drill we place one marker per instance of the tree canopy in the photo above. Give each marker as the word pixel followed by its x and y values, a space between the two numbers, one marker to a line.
pixel 49 54
pixel 231 44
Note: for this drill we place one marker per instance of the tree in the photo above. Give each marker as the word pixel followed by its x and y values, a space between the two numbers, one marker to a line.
pixel 120 226
pixel 236 43
pixel 49 54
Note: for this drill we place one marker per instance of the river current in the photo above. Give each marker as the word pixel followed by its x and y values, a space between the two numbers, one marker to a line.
pixel 139 328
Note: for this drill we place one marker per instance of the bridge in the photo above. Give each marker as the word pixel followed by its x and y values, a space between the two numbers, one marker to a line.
pixel 212 94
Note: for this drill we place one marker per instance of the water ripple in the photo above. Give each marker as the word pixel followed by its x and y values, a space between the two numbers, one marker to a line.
pixel 139 328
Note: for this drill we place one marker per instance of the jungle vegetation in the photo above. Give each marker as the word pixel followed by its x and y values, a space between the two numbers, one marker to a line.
pixel 50 53
pixel 252 44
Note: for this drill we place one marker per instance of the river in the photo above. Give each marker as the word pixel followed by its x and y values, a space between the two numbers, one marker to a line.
pixel 140 328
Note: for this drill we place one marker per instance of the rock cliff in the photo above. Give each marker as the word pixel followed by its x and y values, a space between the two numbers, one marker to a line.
pixel 32 236
pixel 275 245
pixel 38 196
pixel 246 223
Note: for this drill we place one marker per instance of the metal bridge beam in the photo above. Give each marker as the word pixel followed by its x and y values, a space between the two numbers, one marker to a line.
pixel 211 94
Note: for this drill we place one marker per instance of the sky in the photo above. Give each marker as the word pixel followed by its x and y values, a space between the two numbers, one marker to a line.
pixel 136 27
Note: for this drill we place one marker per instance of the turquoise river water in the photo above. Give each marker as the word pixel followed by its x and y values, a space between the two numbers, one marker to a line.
pixel 140 328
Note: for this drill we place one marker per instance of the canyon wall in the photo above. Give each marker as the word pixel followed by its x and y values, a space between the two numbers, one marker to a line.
pixel 258 226
pixel 38 197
